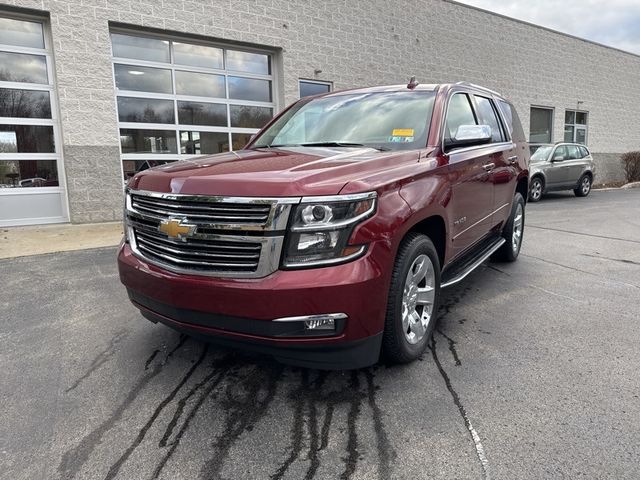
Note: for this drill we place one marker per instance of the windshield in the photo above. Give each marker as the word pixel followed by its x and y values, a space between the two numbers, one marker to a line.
pixel 383 120
pixel 542 153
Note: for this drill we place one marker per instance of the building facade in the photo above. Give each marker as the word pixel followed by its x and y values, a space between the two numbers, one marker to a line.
pixel 93 90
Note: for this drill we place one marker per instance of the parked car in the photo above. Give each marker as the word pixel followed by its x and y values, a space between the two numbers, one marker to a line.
pixel 330 236
pixel 563 166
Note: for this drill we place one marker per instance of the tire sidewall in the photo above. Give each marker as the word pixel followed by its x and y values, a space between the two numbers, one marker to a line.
pixel 416 246
pixel 538 180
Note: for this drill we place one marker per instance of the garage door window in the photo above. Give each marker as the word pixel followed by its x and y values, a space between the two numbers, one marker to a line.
pixel 177 99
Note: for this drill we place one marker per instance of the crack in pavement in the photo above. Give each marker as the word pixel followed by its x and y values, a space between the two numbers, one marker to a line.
pixel 620 260
pixel 584 234
pixel 452 347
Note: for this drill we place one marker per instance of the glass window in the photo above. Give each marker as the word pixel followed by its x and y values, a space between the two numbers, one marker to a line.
pixel 24 103
pixel 541 125
pixel 28 173
pixel 147 141
pixel 308 88
pixel 21 33
pixel 249 89
pixel 200 84
pixel 146 110
pixel 584 152
pixel 581 118
pixel 200 113
pixel 389 120
pixel 488 117
pixel 141 48
pixel 569 116
pixel 560 154
pixel 143 79
pixel 131 167
pixel 195 143
pixel 240 140
pixel 246 116
pixel 22 67
pixel 248 62
pixel 581 135
pixel 568 133
pixel 575 126
pixel 573 152
pixel 459 113
pixel 197 55
pixel 26 139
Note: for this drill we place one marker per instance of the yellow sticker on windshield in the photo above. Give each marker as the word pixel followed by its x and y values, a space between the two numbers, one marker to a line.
pixel 402 132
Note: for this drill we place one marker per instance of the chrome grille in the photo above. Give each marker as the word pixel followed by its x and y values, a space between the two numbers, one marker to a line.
pixel 229 238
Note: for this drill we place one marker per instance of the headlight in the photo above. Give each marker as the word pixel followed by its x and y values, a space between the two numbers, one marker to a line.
pixel 321 227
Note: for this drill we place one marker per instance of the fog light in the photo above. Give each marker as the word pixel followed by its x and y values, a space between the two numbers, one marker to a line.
pixel 320 324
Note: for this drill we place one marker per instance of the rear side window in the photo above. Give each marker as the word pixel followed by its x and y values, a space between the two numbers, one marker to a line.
pixel 574 152
pixel 459 113
pixel 487 115
pixel 584 152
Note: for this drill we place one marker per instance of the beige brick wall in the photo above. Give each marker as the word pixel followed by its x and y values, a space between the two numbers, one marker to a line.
pixel 354 43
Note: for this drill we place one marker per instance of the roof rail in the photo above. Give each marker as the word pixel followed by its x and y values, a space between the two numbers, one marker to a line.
pixel 479 87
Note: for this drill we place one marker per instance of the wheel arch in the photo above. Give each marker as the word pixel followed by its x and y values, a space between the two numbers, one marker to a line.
pixel 435 228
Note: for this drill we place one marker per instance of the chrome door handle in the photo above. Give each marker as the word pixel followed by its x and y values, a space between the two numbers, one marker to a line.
pixel 489 166
pixel 512 159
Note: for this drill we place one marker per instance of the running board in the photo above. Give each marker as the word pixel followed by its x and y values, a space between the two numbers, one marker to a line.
pixel 460 272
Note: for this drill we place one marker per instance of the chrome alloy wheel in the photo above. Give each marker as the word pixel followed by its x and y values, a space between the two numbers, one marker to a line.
pixel 586 185
pixel 536 190
pixel 417 299
pixel 518 225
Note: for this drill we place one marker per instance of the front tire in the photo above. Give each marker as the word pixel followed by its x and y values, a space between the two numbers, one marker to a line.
pixel 512 232
pixel 536 188
pixel 584 186
pixel 412 306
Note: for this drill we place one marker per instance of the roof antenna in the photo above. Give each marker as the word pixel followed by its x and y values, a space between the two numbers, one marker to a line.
pixel 412 83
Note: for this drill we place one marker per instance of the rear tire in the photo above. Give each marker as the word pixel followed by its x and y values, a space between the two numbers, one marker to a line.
pixel 412 306
pixel 584 186
pixel 536 187
pixel 512 232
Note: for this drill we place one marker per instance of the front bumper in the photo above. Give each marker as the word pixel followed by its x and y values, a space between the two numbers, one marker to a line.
pixel 241 312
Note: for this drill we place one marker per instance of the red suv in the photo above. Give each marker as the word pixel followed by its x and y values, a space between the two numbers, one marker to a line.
pixel 327 240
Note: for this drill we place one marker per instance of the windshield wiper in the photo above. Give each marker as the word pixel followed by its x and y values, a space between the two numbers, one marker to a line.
pixel 342 144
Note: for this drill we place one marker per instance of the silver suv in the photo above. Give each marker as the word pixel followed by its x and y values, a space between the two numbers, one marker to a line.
pixel 563 166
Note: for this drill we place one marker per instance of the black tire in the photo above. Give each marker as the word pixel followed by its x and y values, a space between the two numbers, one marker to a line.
pixel 509 252
pixel 536 189
pixel 584 186
pixel 396 347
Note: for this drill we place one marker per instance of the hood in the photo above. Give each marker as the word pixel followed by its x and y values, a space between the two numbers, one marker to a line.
pixel 272 172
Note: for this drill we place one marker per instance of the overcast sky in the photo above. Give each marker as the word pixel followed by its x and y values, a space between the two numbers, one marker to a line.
pixel 611 22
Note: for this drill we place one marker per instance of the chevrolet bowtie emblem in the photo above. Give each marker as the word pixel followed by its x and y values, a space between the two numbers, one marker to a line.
pixel 174 228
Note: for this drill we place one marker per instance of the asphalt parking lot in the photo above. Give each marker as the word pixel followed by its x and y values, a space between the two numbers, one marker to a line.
pixel 532 374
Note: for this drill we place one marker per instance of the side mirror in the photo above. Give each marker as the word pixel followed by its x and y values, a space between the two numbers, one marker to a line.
pixel 469 136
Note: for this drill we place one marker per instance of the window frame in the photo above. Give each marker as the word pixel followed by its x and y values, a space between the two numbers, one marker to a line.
pixel 317 82
pixel 53 122
pixel 178 127
pixel 575 125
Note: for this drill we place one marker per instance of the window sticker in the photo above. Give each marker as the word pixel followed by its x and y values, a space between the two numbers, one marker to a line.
pixel 402 132
pixel 399 139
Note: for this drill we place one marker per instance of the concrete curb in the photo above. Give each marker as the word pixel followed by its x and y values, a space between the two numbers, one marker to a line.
pixel 623 187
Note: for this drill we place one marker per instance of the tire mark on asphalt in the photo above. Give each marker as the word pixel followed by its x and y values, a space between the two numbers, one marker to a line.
pixel 385 452
pixel 212 380
pixel 115 468
pixel 484 463
pixel 620 260
pixel 100 359
pixel 150 359
pixel 74 458
pixel 242 413
pixel 312 425
pixel 584 234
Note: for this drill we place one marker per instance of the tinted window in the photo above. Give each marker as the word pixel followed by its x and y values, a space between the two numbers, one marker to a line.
pixel 250 117
pixel 506 111
pixel 200 113
pixel 21 67
pixel 308 89
pixel 29 173
pixel 459 113
pixel 573 152
pixel 24 103
pixel 145 110
pixel 540 125
pixel 143 79
pixel 21 33
pixel 200 84
pixel 196 143
pixel 147 141
pixel 488 116
pixel 248 62
pixel 197 55
pixel 26 139
pixel 141 48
